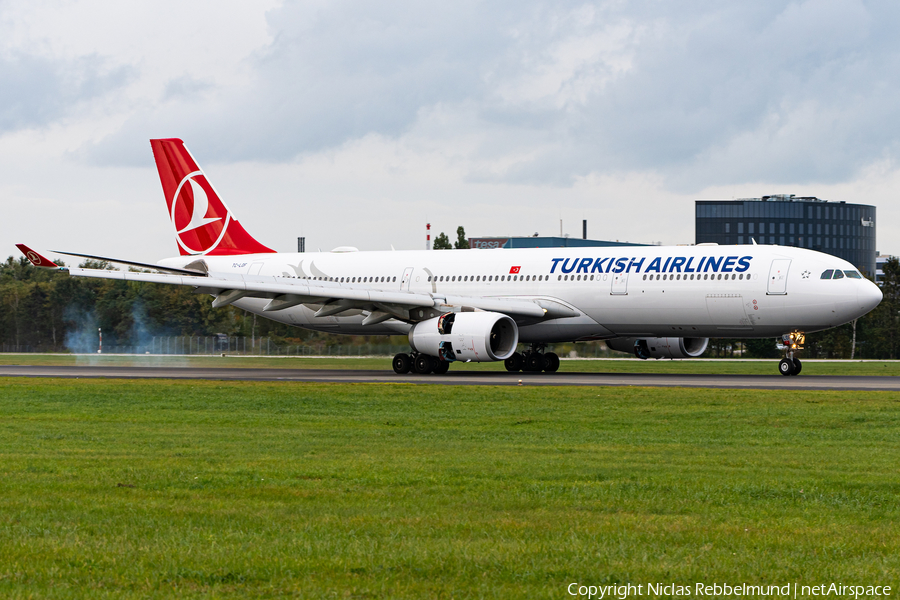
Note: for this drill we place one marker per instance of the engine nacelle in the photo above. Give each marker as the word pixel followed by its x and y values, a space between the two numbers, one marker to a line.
pixel 474 336
pixel 667 347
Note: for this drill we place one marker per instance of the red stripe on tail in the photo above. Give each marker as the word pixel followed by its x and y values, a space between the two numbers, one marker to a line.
pixel 203 223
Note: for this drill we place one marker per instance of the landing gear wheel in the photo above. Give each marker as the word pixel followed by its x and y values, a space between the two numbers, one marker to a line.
pixel 786 367
pixel 423 364
pixel 402 363
pixel 798 366
pixel 534 362
pixel 441 367
pixel 514 363
pixel 551 362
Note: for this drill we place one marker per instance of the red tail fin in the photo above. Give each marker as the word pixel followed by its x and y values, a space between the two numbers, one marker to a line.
pixel 203 224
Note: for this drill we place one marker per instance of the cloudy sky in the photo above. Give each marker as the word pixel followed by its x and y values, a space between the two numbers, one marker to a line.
pixel 355 123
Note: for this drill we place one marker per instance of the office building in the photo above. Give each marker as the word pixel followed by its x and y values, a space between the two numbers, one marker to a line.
pixel 838 228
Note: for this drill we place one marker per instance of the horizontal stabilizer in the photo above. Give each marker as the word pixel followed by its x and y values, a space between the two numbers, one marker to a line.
pixel 132 263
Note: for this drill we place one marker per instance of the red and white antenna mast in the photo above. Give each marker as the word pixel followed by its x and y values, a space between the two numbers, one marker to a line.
pixel 428 236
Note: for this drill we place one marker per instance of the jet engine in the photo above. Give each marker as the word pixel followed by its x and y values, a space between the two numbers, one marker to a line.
pixel 469 336
pixel 667 347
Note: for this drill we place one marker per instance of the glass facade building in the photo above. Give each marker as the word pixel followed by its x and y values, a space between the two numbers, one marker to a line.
pixel 844 230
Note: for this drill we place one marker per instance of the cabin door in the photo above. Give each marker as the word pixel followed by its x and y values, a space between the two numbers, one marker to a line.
pixel 619 284
pixel 404 281
pixel 778 276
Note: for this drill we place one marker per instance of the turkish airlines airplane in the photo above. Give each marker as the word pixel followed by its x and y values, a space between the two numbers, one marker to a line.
pixel 479 305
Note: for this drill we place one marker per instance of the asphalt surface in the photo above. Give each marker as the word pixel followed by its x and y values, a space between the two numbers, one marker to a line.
pixel 761 382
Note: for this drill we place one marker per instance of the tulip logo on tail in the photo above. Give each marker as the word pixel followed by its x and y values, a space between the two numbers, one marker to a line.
pixel 196 232
pixel 203 223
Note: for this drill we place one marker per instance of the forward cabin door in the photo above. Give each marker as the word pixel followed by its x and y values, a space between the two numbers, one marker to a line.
pixel 619 284
pixel 778 276
pixel 404 281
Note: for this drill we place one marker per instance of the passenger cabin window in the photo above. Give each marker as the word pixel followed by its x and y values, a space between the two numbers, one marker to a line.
pixel 827 274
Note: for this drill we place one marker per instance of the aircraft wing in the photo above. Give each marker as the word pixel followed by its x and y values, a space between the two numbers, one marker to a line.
pixel 285 292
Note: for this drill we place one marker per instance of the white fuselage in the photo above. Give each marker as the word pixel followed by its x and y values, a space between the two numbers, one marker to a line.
pixel 635 291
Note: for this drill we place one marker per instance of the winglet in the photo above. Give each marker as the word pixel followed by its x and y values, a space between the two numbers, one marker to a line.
pixel 35 258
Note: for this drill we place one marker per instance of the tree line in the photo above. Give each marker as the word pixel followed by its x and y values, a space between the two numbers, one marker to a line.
pixel 47 310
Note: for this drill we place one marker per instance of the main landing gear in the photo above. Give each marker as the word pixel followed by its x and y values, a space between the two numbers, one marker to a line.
pixel 790 364
pixel 421 364
pixel 533 360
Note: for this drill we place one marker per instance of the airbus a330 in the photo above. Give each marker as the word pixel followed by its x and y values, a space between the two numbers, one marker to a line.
pixel 479 305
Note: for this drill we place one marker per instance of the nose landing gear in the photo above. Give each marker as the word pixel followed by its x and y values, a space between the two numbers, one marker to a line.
pixel 790 364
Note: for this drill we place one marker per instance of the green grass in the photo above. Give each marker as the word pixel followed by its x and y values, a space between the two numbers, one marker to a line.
pixel 135 489
pixel 712 367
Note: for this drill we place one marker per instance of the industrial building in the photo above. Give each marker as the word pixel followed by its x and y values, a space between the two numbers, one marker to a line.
pixel 540 242
pixel 536 241
pixel 838 228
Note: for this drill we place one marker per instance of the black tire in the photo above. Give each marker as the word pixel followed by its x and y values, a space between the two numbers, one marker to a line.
pixel 423 364
pixel 442 367
pixel 514 362
pixel 551 362
pixel 534 362
pixel 786 367
pixel 402 363
pixel 798 366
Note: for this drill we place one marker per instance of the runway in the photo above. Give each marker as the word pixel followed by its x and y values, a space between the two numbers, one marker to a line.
pixel 760 382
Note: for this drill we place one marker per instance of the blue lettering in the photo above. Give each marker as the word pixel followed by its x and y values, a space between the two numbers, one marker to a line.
pixel 745 264
pixel 676 264
pixel 666 266
pixel 636 265
pixel 700 264
pixel 555 262
pixel 729 262
pixel 583 266
pixel 609 266
pixel 687 267
pixel 598 265
pixel 712 262
pixel 654 265
pixel 620 265
pixel 566 268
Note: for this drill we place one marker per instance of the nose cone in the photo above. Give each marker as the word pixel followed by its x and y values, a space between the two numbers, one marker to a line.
pixel 869 295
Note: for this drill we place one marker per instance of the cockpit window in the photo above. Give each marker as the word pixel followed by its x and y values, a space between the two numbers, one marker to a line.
pixel 827 274
pixel 853 274
pixel 838 274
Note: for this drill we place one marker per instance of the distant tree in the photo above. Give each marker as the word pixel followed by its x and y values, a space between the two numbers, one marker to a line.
pixel 442 242
pixel 761 348
pixel 882 325
pixel 461 242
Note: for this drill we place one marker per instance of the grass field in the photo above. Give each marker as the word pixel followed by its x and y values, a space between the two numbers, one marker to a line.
pixel 713 367
pixel 136 489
